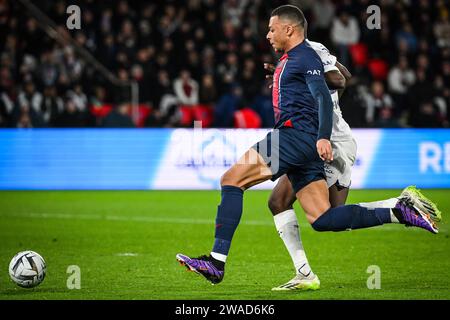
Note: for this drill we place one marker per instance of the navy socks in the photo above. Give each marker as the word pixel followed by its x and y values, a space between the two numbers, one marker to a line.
pixel 229 214
pixel 351 217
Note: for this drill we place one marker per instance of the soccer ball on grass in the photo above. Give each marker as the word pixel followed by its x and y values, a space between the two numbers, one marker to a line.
pixel 27 269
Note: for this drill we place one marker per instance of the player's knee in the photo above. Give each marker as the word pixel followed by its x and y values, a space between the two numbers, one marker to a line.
pixel 337 203
pixel 228 179
pixel 224 180
pixel 277 205
pixel 314 217
pixel 320 223
pixel 317 226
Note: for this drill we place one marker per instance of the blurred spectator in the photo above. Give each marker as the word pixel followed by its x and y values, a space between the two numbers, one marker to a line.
pixel 24 116
pixel 226 106
pixel 386 119
pixel 262 104
pixel 344 33
pixel 78 97
pixel 400 78
pixel 155 119
pixel 247 79
pixel 119 118
pixel 442 31
pixel 441 100
pixel 233 10
pixel 169 110
pixel 99 97
pixel 6 109
pixel 208 92
pixel 422 91
pixel 423 64
pixel 427 100
pixel 72 68
pixel 353 104
pixel 186 88
pixel 52 105
pixel 24 121
pixel 319 29
pixel 167 104
pixel 228 70
pixel 48 70
pixel 446 73
pixel 29 97
pixel 376 100
pixel 71 117
pixel 426 116
pixel 99 107
pixel 405 36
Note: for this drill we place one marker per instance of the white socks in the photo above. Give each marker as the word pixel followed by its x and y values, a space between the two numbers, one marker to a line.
pixel 219 256
pixel 288 229
pixel 389 203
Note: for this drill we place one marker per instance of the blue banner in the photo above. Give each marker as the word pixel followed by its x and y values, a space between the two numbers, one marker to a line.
pixel 411 156
pixel 80 158
pixel 145 159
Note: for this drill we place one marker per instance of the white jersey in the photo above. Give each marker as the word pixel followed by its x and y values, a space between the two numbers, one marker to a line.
pixel 341 129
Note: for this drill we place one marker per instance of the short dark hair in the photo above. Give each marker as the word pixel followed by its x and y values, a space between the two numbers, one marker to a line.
pixel 290 12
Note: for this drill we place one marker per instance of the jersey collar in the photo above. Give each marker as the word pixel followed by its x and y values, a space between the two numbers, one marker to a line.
pixel 283 57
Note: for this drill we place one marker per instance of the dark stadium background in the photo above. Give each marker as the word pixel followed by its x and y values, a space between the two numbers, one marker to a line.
pixel 203 60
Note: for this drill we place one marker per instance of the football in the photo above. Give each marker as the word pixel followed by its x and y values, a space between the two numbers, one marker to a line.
pixel 27 269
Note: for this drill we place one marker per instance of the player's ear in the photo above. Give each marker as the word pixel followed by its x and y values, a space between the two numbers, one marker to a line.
pixel 289 30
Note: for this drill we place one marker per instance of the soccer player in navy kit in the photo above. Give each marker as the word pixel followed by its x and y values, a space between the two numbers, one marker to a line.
pixel 298 145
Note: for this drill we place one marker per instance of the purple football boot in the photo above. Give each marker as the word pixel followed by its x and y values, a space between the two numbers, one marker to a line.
pixel 410 215
pixel 202 265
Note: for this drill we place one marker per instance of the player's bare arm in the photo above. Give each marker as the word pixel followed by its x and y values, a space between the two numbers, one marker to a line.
pixel 335 80
pixel 343 70
pixel 347 75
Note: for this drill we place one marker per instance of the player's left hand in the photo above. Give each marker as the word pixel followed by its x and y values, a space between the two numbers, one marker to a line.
pixel 324 150
pixel 271 68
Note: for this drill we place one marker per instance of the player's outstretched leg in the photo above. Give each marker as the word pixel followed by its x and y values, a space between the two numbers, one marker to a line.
pixel 286 223
pixel 248 171
pixel 349 217
pixel 356 217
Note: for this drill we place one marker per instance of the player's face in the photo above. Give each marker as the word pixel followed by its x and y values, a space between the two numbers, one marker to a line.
pixel 276 35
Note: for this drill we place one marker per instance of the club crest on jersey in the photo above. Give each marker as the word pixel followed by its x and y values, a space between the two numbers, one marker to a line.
pixel 314 72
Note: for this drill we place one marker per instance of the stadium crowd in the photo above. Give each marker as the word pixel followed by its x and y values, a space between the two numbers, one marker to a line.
pixel 203 60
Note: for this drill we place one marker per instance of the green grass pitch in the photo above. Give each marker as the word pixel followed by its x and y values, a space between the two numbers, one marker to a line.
pixel 125 244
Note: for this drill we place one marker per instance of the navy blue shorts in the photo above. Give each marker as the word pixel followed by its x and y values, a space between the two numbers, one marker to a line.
pixel 296 153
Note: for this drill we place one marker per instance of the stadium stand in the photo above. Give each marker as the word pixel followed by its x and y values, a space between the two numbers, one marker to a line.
pixel 203 60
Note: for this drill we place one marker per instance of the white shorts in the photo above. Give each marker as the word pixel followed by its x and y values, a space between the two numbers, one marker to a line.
pixel 339 171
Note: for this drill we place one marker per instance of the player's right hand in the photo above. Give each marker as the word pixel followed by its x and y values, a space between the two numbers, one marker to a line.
pixel 324 150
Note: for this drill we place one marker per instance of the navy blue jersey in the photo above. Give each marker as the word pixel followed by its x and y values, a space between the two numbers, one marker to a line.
pixel 293 103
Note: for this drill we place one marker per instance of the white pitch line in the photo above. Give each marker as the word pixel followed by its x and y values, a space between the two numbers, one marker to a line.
pixel 127 254
pixel 176 220
pixel 149 219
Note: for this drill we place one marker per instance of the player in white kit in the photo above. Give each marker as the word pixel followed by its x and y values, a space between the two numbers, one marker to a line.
pixel 338 174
